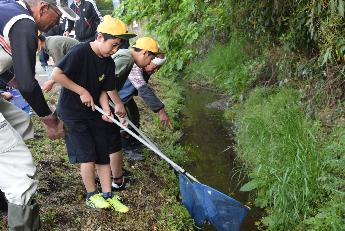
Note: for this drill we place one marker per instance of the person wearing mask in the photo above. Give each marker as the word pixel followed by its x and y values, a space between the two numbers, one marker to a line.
pixel 19 21
pixel 137 84
pixel 141 54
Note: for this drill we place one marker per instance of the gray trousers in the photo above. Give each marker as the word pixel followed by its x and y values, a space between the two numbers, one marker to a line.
pixel 17 169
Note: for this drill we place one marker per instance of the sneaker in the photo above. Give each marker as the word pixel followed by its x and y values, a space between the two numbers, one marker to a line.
pixel 120 186
pixel 117 205
pixel 133 155
pixel 97 201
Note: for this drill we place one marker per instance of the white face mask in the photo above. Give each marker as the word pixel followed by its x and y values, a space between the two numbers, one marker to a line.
pixel 159 61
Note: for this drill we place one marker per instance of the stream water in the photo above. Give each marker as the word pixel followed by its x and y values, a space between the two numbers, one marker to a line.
pixel 210 145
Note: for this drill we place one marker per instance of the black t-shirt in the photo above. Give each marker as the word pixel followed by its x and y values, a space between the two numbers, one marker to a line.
pixel 93 73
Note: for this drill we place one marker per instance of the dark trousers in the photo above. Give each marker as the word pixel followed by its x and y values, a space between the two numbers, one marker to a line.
pixel 133 115
pixel 133 112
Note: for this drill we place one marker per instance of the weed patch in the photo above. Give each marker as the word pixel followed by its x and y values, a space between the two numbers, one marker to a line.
pixel 284 155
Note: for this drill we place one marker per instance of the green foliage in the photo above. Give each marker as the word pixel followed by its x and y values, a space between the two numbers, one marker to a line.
pixel 176 218
pixel 226 66
pixel 278 146
pixel 173 215
pixel 105 6
pixel 296 169
pixel 179 25
pixel 330 214
pixel 312 26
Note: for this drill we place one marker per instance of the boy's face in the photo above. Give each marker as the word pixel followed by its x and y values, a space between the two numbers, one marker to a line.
pixel 108 47
pixel 144 58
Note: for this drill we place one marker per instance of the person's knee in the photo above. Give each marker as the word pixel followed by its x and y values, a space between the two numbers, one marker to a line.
pixel 23 193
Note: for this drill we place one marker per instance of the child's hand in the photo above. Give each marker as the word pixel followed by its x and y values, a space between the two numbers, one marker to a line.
pixel 48 85
pixel 105 118
pixel 123 121
pixel 7 95
pixel 120 110
pixel 164 118
pixel 87 99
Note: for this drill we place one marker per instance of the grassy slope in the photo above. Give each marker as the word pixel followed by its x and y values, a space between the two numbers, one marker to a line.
pixel 295 161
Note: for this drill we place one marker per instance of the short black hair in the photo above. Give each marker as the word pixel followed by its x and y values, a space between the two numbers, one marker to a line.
pixel 137 49
pixel 108 36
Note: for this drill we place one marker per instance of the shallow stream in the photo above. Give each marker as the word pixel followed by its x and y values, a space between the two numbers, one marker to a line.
pixel 210 144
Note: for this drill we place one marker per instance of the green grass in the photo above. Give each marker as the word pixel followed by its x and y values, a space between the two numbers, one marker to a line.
pixel 172 216
pixel 227 66
pixel 284 155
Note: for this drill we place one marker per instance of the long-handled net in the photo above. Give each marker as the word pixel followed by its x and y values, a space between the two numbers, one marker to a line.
pixel 203 202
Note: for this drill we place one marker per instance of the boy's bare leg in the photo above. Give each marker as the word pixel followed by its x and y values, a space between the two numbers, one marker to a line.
pixel 103 171
pixel 116 162
pixel 87 171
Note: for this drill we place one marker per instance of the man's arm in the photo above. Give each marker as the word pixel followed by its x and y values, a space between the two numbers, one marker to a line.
pixel 24 45
pixel 23 41
pixel 148 95
pixel 150 98
pixel 104 103
pixel 70 26
pixel 99 15
pixel 123 65
pixel 144 90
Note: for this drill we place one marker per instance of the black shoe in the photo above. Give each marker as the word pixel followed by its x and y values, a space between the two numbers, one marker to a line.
pixel 136 144
pixel 120 186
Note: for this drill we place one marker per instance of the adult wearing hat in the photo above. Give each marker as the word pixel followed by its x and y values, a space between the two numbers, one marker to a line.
pixel 19 21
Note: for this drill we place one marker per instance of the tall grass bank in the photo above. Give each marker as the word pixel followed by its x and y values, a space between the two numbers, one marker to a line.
pixel 295 164
pixel 290 161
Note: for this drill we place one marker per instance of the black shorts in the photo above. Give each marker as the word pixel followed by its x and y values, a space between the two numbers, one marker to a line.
pixel 115 144
pixel 90 140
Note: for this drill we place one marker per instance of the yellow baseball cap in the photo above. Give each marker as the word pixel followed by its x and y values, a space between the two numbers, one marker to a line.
pixel 147 43
pixel 114 27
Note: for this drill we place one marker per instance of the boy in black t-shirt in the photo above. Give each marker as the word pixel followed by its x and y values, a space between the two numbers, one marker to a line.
pixel 86 74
